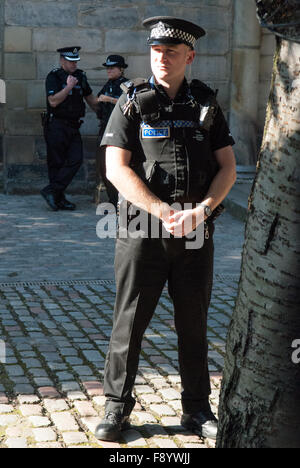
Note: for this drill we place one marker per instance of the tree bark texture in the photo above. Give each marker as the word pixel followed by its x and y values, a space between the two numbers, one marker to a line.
pixel 260 396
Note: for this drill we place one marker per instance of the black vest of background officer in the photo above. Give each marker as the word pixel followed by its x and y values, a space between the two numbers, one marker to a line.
pixel 112 89
pixel 73 107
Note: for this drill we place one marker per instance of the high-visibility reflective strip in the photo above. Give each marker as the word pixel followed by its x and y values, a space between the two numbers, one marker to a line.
pixel 174 123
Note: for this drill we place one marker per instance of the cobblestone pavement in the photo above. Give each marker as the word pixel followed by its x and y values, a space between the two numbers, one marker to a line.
pixel 39 244
pixel 56 302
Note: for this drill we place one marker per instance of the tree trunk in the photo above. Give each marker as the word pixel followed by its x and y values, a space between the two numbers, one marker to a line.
pixel 260 396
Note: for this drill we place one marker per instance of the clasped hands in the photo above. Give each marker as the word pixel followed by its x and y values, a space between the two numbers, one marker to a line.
pixel 181 223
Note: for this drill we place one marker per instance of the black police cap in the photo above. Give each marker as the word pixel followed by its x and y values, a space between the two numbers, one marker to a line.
pixel 170 30
pixel 115 61
pixel 70 53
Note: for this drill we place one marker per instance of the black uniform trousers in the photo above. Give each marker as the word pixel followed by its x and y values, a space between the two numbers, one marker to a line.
pixel 64 154
pixel 142 267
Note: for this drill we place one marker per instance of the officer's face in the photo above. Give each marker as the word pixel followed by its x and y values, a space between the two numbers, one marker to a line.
pixel 169 61
pixel 69 67
pixel 113 73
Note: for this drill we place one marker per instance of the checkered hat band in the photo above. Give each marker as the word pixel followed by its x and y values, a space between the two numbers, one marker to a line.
pixel 70 54
pixel 161 31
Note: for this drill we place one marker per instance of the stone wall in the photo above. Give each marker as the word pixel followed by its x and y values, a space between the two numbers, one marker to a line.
pixel 268 44
pixel 252 56
pixel 32 31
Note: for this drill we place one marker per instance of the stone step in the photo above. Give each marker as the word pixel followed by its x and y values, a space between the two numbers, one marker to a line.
pixel 236 201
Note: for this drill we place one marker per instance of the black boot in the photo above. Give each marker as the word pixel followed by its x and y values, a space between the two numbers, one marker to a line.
pixel 50 199
pixel 64 204
pixel 203 423
pixel 111 426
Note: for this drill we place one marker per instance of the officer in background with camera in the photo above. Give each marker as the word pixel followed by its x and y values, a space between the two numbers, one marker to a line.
pixel 66 88
pixel 108 97
pixel 167 142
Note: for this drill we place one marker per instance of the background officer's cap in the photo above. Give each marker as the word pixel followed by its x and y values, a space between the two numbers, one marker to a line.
pixel 115 61
pixel 170 30
pixel 70 53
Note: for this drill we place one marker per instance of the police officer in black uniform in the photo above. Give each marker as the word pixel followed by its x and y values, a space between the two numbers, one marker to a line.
pixel 167 141
pixel 66 89
pixel 108 97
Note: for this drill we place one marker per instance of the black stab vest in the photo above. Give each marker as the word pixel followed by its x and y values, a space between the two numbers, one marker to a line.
pixel 73 107
pixel 174 156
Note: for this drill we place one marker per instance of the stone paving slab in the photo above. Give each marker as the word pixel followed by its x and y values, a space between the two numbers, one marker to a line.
pixel 61 406
pixel 57 295
pixel 39 244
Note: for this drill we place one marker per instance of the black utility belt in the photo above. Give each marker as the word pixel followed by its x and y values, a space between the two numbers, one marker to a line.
pixel 71 123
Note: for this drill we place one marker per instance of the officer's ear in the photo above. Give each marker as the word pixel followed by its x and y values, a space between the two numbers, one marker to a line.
pixel 63 62
pixel 190 56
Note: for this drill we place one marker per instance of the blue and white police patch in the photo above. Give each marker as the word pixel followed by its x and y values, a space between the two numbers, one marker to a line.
pixel 155 132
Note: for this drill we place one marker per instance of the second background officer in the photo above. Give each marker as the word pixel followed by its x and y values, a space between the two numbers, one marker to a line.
pixel 108 97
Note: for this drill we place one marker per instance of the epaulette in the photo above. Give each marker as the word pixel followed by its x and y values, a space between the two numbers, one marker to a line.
pixel 142 97
pixel 132 86
pixel 55 70
pixel 206 97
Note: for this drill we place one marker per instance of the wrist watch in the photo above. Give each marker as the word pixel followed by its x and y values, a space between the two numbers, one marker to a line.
pixel 207 210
